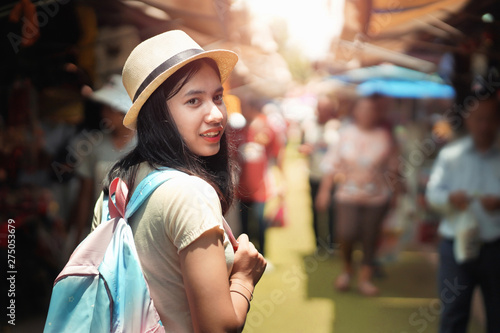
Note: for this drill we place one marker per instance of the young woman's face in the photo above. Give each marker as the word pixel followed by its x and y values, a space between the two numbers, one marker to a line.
pixel 199 112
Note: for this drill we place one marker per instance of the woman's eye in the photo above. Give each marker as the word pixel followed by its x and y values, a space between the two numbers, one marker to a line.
pixel 218 98
pixel 193 101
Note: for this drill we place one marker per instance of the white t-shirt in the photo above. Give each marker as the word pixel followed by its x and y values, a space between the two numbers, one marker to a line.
pixel 176 214
pixel 96 157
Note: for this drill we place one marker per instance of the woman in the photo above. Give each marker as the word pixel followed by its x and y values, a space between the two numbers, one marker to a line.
pixel 197 282
pixel 103 148
pixel 360 165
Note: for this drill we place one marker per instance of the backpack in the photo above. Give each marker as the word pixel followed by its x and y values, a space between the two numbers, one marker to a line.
pixel 102 287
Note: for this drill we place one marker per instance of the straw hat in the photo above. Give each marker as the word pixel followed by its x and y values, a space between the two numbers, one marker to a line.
pixel 113 94
pixel 155 59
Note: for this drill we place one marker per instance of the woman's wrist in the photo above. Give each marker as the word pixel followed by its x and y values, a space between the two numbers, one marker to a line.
pixel 246 279
pixel 241 286
pixel 242 295
pixel 242 289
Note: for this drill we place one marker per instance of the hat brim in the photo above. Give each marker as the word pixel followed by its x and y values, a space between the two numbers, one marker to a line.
pixel 225 60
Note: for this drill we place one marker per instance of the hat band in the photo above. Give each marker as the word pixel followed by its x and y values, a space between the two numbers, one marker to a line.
pixel 164 66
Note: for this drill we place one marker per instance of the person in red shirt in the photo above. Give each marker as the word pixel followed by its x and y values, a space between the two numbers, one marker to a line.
pixel 256 145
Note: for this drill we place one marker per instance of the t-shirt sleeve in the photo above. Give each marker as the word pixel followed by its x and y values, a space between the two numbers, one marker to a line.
pixel 96 219
pixel 191 207
pixel 438 187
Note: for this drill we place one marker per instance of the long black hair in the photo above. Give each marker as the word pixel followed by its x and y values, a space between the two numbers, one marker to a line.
pixel 159 142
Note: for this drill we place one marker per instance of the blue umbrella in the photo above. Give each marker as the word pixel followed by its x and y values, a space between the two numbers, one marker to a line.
pixel 405 88
pixel 386 72
pixel 396 81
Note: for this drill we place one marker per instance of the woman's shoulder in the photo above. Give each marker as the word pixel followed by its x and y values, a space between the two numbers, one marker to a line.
pixel 181 188
pixel 184 183
pixel 179 179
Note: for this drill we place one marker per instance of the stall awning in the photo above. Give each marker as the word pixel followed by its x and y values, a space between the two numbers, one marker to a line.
pixel 395 81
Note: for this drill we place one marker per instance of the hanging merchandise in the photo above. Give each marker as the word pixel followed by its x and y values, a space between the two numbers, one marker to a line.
pixel 25 12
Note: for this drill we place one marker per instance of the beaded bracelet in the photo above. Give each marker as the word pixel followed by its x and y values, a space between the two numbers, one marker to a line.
pixel 251 293
pixel 248 301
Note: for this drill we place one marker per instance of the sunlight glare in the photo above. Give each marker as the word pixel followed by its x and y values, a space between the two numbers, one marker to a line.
pixel 311 25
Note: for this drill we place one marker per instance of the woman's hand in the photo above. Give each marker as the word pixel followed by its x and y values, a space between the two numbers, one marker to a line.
pixel 249 264
pixel 322 200
pixel 324 196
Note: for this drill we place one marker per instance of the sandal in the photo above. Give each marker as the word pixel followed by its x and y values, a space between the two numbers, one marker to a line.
pixel 366 288
pixel 343 282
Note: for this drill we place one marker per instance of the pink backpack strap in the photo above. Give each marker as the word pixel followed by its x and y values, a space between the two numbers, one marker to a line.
pixel 118 192
pixel 230 235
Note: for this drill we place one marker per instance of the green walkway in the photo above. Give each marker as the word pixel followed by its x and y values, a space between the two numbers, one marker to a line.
pixel 298 294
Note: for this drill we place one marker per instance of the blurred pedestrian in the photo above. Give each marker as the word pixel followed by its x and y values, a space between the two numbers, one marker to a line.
pixel 257 145
pixel 196 279
pixel 319 133
pixel 466 176
pixel 274 209
pixel 365 155
pixel 97 150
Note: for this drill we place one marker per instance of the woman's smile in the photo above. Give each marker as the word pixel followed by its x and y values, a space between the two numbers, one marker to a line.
pixel 213 135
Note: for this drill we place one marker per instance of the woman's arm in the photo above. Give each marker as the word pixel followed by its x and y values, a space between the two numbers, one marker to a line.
pixel 214 308
pixel 324 192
